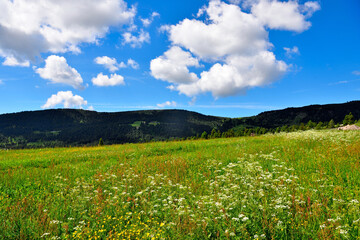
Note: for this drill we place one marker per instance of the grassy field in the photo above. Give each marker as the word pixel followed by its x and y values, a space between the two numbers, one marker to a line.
pixel 302 185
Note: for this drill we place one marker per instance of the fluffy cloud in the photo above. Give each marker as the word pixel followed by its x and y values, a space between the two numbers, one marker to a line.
pixel 132 63
pixel 57 70
pixel 30 27
pixel 166 104
pixel 237 75
pixel 147 21
pixel 11 61
pixel 173 66
pixel 284 15
pixel 136 41
pixel 227 31
pixel 309 8
pixel 105 81
pixel 109 63
pixel 234 42
pixel 112 65
pixel 67 99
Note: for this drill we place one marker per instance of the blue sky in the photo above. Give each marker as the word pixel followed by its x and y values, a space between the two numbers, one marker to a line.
pixel 226 58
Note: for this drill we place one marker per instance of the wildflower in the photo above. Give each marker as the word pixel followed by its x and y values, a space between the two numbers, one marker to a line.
pixel 45 234
pixel 55 222
pixel 342 231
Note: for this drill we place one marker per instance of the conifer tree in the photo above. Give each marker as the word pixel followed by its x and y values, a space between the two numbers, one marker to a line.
pixel 349 119
pixel 204 135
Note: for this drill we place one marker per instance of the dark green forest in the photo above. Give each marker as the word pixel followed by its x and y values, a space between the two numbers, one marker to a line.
pixel 73 127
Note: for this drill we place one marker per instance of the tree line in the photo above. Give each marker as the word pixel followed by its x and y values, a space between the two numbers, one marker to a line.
pixel 243 131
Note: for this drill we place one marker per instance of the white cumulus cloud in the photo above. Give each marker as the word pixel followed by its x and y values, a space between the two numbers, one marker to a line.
pixel 136 41
pixel 57 70
pixel 65 98
pixel 31 27
pixel 102 80
pixel 112 65
pixel 147 21
pixel 238 74
pixel 11 61
pixel 233 42
pixel 227 31
pixel 173 66
pixel 309 8
pixel 166 104
pixel 288 15
pixel 132 63
pixel 109 63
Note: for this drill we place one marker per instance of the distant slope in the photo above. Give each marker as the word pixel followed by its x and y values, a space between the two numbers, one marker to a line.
pixel 315 113
pixel 64 127
pixel 78 127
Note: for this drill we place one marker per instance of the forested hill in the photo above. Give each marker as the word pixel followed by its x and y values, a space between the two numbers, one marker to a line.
pixel 315 113
pixel 65 127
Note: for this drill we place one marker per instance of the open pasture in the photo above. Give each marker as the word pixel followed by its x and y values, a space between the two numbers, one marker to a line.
pixel 302 185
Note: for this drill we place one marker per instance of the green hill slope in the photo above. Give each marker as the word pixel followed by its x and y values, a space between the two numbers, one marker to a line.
pixel 64 127
pixel 315 113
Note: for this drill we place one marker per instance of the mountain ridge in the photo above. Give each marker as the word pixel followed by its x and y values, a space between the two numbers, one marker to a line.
pixel 314 112
pixel 65 127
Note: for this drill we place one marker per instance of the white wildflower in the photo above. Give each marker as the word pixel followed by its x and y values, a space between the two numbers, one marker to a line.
pixel 45 234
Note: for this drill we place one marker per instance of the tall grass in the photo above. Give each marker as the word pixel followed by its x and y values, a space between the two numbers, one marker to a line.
pixel 301 185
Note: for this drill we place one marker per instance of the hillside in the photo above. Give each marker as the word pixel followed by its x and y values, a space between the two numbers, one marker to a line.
pixel 315 113
pixel 65 127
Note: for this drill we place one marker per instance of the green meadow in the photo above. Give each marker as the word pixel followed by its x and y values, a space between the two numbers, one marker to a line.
pixel 301 185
